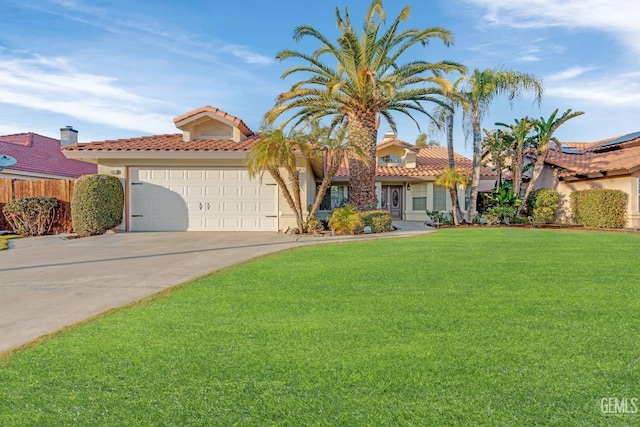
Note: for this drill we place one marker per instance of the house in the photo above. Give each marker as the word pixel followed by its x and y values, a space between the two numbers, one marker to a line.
pixel 197 179
pixel 613 163
pixel 40 157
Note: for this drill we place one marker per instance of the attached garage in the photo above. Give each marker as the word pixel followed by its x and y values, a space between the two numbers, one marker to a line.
pixel 200 199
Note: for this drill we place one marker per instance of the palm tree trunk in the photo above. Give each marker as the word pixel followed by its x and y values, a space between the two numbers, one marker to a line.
pixel 477 163
pixel 362 188
pixel 326 182
pixel 287 195
pixel 537 171
pixel 457 212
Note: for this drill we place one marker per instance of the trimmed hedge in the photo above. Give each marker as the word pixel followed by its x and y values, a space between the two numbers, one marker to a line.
pixel 97 204
pixel 378 220
pixel 600 208
pixel 543 205
pixel 31 216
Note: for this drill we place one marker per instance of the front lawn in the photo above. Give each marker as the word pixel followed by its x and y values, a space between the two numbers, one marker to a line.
pixel 4 241
pixel 461 327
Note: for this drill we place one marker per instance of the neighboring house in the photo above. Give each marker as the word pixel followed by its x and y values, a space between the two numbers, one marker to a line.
pixel 197 179
pixel 40 157
pixel 609 164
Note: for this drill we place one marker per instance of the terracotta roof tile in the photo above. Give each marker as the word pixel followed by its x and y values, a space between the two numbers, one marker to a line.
pixel 40 154
pixel 626 160
pixel 430 162
pixel 171 142
pixel 209 109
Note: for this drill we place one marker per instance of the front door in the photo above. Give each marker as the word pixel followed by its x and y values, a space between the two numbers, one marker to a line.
pixel 391 200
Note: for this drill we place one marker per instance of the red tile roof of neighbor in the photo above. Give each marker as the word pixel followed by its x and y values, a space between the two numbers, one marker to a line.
pixel 621 154
pixel 171 142
pixel 40 154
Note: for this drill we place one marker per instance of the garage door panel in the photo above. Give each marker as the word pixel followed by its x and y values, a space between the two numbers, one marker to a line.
pixel 201 199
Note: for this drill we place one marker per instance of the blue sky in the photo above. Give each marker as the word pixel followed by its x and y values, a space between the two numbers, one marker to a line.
pixel 121 68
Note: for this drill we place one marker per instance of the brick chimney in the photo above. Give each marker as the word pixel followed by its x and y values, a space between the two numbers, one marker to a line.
pixel 68 136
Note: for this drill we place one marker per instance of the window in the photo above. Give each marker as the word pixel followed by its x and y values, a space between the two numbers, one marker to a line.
pixel 467 197
pixel 335 197
pixel 419 192
pixel 390 159
pixel 439 198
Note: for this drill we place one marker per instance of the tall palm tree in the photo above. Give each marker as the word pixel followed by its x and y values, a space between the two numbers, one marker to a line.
pixel 274 151
pixel 545 128
pixel 480 89
pixel 519 139
pixel 364 80
pixel 451 179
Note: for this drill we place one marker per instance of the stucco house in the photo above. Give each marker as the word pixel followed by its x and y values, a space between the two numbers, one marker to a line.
pixel 197 179
pixel 613 163
pixel 40 157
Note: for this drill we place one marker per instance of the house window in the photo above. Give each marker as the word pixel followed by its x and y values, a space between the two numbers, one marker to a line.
pixel 439 198
pixel 419 197
pixel 390 159
pixel 335 197
pixel 467 197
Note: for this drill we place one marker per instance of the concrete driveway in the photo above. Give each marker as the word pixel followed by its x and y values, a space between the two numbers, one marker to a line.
pixel 47 283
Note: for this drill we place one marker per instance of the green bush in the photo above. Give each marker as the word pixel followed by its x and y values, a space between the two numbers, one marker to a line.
pixel 31 216
pixel 313 225
pixel 600 208
pixel 346 220
pixel 499 215
pixel 543 205
pixel 96 205
pixel 378 220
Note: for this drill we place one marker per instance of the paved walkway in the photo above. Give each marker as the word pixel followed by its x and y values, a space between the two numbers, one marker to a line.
pixel 47 283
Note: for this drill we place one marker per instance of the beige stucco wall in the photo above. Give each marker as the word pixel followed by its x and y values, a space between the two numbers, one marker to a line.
pixel 626 183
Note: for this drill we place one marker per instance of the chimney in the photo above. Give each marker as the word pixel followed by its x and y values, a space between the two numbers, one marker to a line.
pixel 68 136
pixel 390 135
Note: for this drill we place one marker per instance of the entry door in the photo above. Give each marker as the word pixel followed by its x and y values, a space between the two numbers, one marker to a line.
pixel 392 200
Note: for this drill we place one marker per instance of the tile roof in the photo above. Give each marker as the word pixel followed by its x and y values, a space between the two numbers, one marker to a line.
pixel 40 154
pixel 430 162
pixel 209 109
pixel 172 142
pixel 620 154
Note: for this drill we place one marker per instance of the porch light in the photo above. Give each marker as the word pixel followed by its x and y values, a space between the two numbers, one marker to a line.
pixel 408 186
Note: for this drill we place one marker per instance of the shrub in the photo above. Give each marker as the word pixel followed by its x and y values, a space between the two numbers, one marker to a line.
pixel 500 215
pixel 600 208
pixel 31 216
pixel 378 220
pixel 313 225
pixel 543 205
pixel 96 205
pixel 346 220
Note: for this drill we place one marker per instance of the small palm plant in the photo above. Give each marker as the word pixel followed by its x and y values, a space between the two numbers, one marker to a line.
pixel 345 220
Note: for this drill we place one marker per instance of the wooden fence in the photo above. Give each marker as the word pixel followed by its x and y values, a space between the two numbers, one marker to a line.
pixel 62 190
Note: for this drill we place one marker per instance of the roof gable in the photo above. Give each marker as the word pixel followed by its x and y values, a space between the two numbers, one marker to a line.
pixel 209 123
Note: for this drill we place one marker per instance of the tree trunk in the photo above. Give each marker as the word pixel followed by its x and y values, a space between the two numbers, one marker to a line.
pixel 287 195
pixel 457 212
pixel 477 163
pixel 537 170
pixel 362 174
pixel 326 182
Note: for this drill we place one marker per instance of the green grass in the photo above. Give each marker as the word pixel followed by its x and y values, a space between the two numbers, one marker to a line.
pixel 462 327
pixel 4 242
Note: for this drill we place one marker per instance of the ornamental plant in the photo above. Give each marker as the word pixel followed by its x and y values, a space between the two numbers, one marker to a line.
pixel 378 220
pixel 31 216
pixel 97 204
pixel 600 208
pixel 346 220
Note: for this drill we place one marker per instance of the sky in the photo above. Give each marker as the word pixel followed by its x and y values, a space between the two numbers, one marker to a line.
pixel 121 68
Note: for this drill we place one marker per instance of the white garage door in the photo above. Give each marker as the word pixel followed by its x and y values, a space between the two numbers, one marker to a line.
pixel 216 199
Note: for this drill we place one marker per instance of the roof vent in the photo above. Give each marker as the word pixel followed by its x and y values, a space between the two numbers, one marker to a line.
pixel 390 135
pixel 68 136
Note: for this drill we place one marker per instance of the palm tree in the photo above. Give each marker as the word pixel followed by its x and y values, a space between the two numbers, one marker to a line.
pixel 274 151
pixel 498 144
pixel 367 81
pixel 518 138
pixel 450 179
pixel 545 128
pixel 480 89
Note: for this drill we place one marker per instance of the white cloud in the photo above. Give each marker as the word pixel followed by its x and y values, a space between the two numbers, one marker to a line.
pixel 245 54
pixel 569 73
pixel 529 58
pixel 621 91
pixel 52 84
pixel 619 18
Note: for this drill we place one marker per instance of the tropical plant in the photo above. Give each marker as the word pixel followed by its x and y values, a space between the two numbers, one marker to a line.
pixel 31 216
pixel 451 178
pixel 498 144
pixel 346 220
pixel 97 204
pixel 313 225
pixel 543 205
pixel 479 90
pixel 364 80
pixel 518 139
pixel 545 128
